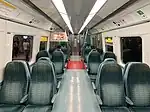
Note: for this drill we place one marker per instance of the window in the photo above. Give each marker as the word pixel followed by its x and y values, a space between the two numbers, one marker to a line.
pixel 22 47
pixel 131 49
pixel 43 43
pixel 109 44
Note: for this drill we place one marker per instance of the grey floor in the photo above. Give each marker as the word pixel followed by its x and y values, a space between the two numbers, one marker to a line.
pixel 76 94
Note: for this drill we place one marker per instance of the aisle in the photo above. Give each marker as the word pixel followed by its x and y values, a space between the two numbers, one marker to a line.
pixel 76 93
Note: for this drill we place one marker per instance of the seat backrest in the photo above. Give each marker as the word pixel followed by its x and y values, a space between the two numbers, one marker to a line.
pixel 58 60
pixel 100 50
pixel 109 55
pixel 87 50
pixel 48 60
pixel 110 86
pixel 43 53
pixel 16 83
pixel 64 50
pixel 93 61
pixel 43 83
pixel 137 83
pixel 108 60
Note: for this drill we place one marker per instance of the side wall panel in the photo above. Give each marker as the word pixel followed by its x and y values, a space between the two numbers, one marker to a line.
pixel 138 30
pixel 7 31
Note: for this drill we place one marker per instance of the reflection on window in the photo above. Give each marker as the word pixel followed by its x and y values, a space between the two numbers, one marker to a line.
pixel 131 49
pixel 43 43
pixel 109 44
pixel 22 47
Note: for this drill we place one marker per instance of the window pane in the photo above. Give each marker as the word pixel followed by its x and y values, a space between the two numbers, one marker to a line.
pixel 131 49
pixel 22 47
pixel 109 44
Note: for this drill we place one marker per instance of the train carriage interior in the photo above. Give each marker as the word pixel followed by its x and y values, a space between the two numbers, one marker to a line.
pixel 74 56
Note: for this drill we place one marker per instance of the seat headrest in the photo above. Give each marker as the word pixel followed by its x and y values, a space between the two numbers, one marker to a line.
pixel 43 53
pixel 44 58
pixel 94 55
pixel 17 68
pixel 109 59
pixel 136 68
pixel 109 55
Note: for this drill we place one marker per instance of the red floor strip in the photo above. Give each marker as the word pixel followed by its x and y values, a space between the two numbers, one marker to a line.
pixel 75 65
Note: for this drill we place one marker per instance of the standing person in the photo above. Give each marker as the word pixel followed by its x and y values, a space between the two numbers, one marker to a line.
pixel 26 47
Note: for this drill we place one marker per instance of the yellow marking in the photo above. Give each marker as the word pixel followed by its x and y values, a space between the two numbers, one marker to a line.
pixel 7 4
pixel 109 40
pixel 44 39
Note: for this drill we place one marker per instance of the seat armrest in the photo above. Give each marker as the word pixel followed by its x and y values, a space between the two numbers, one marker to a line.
pixel 94 87
pixel 99 100
pixel 128 100
pixel 58 85
pixel 64 69
pixel 85 65
pixel 24 99
pixel 87 70
pixel 54 98
pixel 65 65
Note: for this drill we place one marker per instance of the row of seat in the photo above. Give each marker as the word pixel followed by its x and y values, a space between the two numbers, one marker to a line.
pixel 58 59
pixel 65 51
pixel 25 91
pixel 127 91
pixel 94 59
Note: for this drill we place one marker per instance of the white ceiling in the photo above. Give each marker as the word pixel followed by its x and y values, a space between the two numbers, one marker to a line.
pixel 107 9
pixel 77 10
pixel 48 8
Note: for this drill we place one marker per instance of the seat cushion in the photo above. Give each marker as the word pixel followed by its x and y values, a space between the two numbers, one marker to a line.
pixel 140 109
pixel 115 109
pixel 11 108
pixel 34 108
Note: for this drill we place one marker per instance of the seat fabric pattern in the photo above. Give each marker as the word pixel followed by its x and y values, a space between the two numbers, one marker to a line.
pixel 114 109
pixel 137 83
pixel 140 109
pixel 66 53
pixel 94 61
pixel 15 84
pixel 33 108
pixel 43 53
pixel 86 53
pixel 42 86
pixel 111 87
pixel 109 60
pixel 59 61
pixel 109 55
pixel 11 108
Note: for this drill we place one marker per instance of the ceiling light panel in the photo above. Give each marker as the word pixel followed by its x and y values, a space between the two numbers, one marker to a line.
pixel 97 6
pixel 61 9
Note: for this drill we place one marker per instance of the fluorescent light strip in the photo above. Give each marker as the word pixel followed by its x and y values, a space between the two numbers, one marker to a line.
pixel 61 9
pixel 97 6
